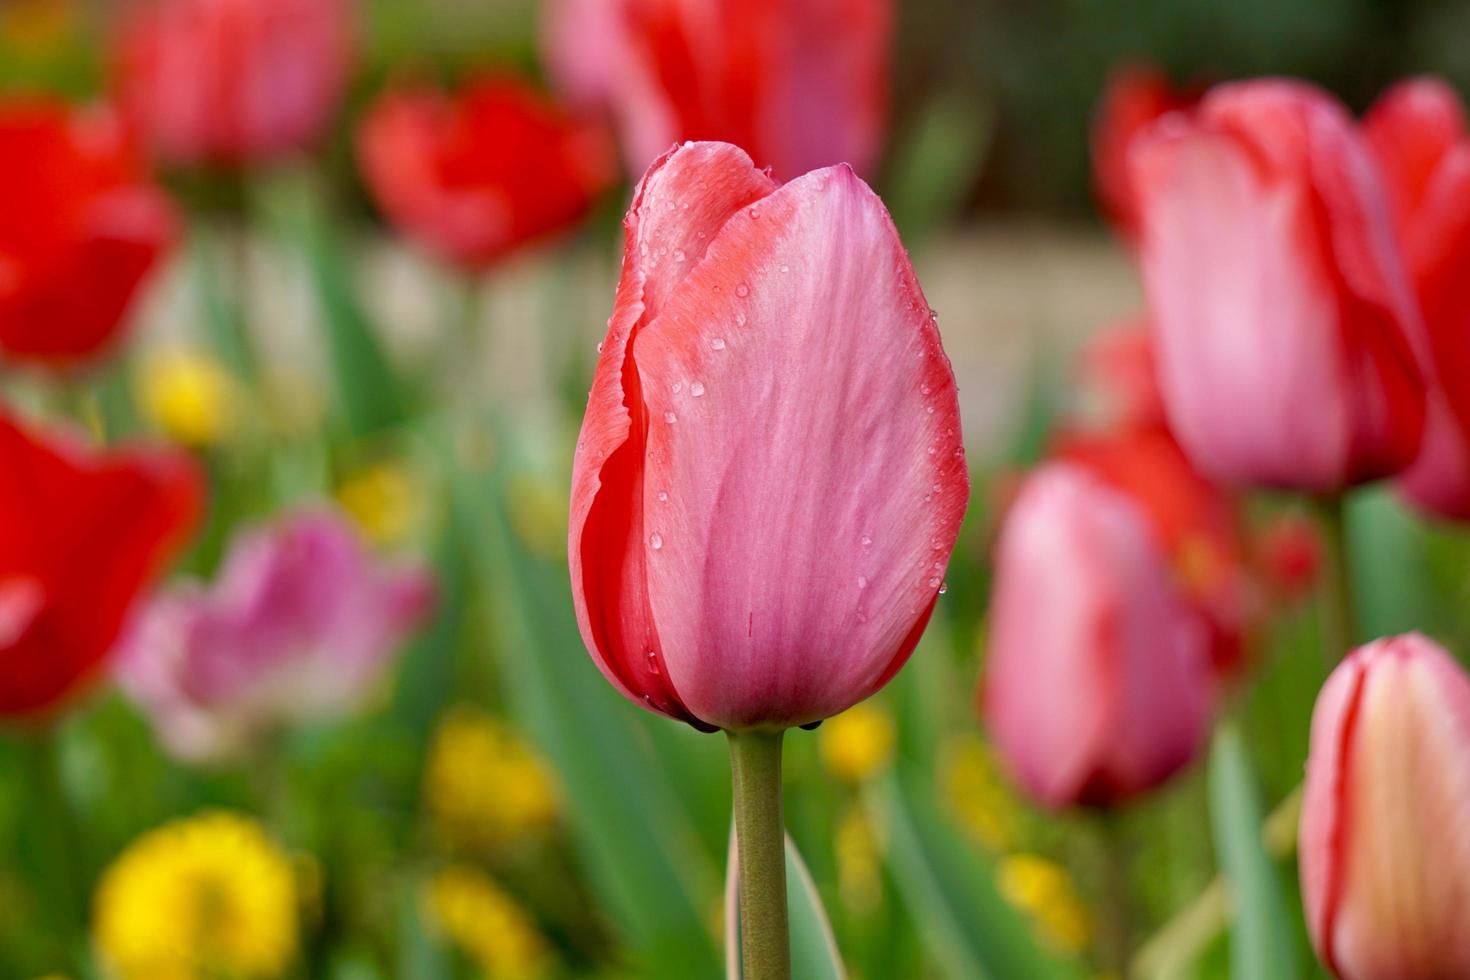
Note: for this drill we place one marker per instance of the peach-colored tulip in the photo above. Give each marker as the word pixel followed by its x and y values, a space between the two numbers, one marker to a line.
pixel 1385 858
pixel 769 478
pixel 1284 323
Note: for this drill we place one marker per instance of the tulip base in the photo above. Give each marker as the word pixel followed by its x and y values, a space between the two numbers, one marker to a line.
pixel 765 945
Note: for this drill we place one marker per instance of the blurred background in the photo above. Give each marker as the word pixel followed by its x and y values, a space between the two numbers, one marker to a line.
pixel 351 364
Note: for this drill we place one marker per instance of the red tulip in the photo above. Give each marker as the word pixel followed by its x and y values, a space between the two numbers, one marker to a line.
pixel 1134 99
pixel 80 228
pixel 1385 864
pixel 233 81
pixel 1098 683
pixel 1289 556
pixel 81 534
pixel 1120 380
pixel 1282 316
pixel 474 176
pixel 770 478
pixel 798 84
pixel 1417 132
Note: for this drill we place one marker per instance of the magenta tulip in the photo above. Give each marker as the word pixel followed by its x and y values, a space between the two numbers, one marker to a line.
pixel 300 625
pixel 1099 682
pixel 1283 319
pixel 770 477
pixel 1385 855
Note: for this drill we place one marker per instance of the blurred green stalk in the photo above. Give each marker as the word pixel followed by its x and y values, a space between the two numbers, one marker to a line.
pixel 765 943
pixel 57 860
pixel 1339 616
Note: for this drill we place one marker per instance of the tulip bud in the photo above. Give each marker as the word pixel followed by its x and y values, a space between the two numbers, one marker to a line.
pixel 770 477
pixel 1417 133
pixel 1385 866
pixel 1283 321
pixel 1098 683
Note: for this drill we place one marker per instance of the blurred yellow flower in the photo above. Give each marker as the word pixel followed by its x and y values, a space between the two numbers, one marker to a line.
pixel 487 924
pixel 384 501
pixel 857 744
pixel 538 514
pixel 189 396
pixel 978 793
pixel 209 896
pixel 37 25
pixel 484 786
pixel 1044 891
pixel 859 860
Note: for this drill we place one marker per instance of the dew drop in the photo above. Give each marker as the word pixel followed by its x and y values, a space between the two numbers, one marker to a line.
pixel 599 347
pixel 678 387
pixel 933 313
pixel 696 388
pixel 670 418
pixel 652 662
pixel 673 205
pixel 742 290
pixel 739 319
pixel 754 213
pixel 643 248
pixel 785 269
pixel 936 543
pixel 704 234
pixel 655 541
pixel 862 581
pixel 935 582
pixel 867 541
pixel 717 343
pixel 862 616
pixel 925 390
pixel 663 496
pixel 931 409
pixel 943 587
pixel 931 450
pixel 679 255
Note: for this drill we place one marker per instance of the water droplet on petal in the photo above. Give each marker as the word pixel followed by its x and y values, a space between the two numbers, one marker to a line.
pixel 717 343
pixel 785 268
pixel 925 390
pixel 652 662
pixel 943 587
pixel 679 255
pixel 862 616
pixel 862 581
pixel 742 290
pixel 931 409
pixel 670 418
pixel 867 541
pixel 663 496
pixel 739 319
pixel 933 313
pixel 754 213
pixel 655 541
pixel 599 347
pixel 673 205
pixel 935 583
pixel 696 388
pixel 678 387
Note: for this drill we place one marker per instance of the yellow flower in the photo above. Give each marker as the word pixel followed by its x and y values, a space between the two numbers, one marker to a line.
pixel 486 788
pixel 857 744
pixel 189 396
pixel 859 860
pixel 977 792
pixel 485 922
pixel 210 896
pixel 1043 890
pixel 384 500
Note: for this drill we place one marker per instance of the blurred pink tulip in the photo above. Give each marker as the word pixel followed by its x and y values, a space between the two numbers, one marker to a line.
pixel 770 477
pixel 299 626
pixel 797 84
pixel 1385 855
pixel 1098 683
pixel 1417 132
pixel 1283 320
pixel 233 81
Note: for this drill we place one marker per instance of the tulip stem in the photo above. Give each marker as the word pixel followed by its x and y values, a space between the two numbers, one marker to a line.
pixel 56 850
pixel 765 945
pixel 1339 623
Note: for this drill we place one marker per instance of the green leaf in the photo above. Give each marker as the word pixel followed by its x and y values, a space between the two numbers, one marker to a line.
pixel 421 953
pixel 628 820
pixel 950 890
pixel 1261 945
pixel 938 163
pixel 814 954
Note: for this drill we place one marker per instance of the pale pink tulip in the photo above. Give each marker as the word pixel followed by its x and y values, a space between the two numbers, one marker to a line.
pixel 1283 320
pixel 1385 843
pixel 1098 683
pixel 300 625
pixel 770 478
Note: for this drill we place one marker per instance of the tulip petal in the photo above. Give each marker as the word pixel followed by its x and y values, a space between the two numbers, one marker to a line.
pixel 679 207
pixel 804 459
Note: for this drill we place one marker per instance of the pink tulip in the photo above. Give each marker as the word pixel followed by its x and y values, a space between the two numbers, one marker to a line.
pixel 770 478
pixel 233 81
pixel 1385 860
pixel 299 626
pixel 1417 132
pixel 1283 320
pixel 798 84
pixel 1098 684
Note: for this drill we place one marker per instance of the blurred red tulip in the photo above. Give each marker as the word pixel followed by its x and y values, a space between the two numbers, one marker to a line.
pixel 233 82
pixel 1135 97
pixel 797 84
pixel 770 477
pixel 1283 320
pixel 1385 866
pixel 1098 683
pixel 1289 556
pixel 1120 380
pixel 80 228
pixel 1417 131
pixel 1191 518
pixel 475 175
pixel 81 534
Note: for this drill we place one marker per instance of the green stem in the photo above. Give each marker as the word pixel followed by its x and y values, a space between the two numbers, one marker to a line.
pixel 1116 939
pixel 57 859
pixel 1339 624
pixel 765 944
